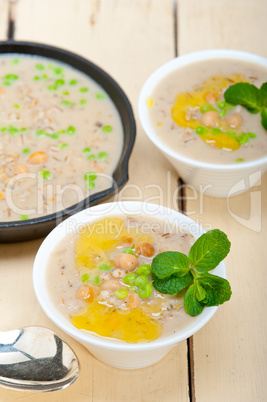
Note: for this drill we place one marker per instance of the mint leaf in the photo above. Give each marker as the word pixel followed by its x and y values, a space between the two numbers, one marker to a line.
pixel 209 250
pixel 218 290
pixel 244 94
pixel 200 292
pixel 264 117
pixel 263 95
pixel 192 306
pixel 172 285
pixel 169 262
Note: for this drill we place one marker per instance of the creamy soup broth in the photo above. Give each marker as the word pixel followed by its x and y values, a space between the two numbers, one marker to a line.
pixel 183 138
pixel 85 260
pixel 60 137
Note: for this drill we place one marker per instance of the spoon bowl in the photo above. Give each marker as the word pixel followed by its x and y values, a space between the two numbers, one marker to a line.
pixel 36 359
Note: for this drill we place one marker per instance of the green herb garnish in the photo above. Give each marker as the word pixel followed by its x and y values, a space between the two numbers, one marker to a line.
pixel 173 272
pixel 250 97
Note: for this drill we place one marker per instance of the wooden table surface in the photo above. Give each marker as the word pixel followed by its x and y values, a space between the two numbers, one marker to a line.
pixel 227 359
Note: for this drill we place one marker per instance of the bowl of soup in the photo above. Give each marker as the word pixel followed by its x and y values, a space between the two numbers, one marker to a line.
pixel 67 131
pixel 92 278
pixel 218 148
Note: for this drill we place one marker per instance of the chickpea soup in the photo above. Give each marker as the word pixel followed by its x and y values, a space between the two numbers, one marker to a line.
pixel 60 137
pixel 100 279
pixel 188 112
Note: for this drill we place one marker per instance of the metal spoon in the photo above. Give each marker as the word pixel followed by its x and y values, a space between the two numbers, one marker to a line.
pixel 36 359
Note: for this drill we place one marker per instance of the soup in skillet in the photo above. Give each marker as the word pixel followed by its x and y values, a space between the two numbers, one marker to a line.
pixel 60 137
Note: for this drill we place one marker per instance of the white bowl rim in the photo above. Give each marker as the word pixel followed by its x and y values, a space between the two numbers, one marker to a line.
pixel 174 64
pixel 90 215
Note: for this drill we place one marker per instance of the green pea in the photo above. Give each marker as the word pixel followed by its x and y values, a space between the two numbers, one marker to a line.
pixel 129 278
pixel 84 89
pixel 141 280
pixel 23 129
pixel 96 280
pixel 251 135
pixel 63 145
pixel 107 129
pixel 222 113
pixel 85 278
pixel 90 157
pixel 24 217
pixel 221 104
pixel 37 78
pixel 61 131
pixel 67 103
pixel 90 185
pixel 45 76
pixel 6 83
pixel 104 267
pixel 121 293
pixel 54 136
pixel 12 77
pixel 206 108
pixel 231 132
pixel 13 130
pixel 133 288
pixel 58 70
pixel 73 82
pixel 15 61
pixel 87 149
pixel 100 95
pixel 26 151
pixel 40 133
pixel 90 176
pixel 102 156
pixel 242 138
pixel 144 269
pixel 65 93
pixel 52 87
pixel 145 291
pixel 239 160
pixel 200 130
pixel 3 129
pixel 71 130
pixel 128 251
pixel 16 106
pixel 82 101
pixel 45 174
pixel 216 130
pixel 39 67
pixel 59 82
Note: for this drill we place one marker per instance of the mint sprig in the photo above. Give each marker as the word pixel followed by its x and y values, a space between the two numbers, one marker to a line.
pixel 174 272
pixel 250 97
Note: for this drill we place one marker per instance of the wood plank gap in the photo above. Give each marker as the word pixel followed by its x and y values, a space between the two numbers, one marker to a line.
pixel 182 208
pixel 11 19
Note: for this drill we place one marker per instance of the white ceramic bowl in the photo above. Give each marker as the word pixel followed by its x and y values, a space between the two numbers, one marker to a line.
pixel 217 180
pixel 115 353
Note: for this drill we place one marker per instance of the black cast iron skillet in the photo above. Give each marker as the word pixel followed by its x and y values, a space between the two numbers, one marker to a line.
pixel 39 227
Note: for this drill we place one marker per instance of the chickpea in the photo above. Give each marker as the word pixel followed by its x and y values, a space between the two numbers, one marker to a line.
pixel 112 285
pixel 234 120
pixel 125 261
pixel 37 158
pixel 146 249
pixel 85 292
pixel 210 98
pixel 133 300
pixel 210 118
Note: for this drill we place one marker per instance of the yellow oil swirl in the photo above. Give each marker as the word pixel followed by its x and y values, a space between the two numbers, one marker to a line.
pixel 197 99
pixel 133 326
pixel 93 248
